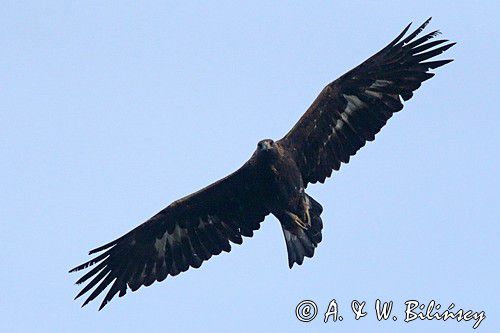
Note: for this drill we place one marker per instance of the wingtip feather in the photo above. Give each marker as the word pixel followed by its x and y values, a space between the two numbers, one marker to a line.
pixel 103 247
pixel 416 32
pixel 396 40
pixel 103 304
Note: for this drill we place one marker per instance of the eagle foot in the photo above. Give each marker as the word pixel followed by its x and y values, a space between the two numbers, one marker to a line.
pixel 298 221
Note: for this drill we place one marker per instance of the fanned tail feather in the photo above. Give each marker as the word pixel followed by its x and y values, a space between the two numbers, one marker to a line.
pixel 301 242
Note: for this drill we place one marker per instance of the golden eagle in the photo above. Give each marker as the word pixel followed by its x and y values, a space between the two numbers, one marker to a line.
pixel 347 113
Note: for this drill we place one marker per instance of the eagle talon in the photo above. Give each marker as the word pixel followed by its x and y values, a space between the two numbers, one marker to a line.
pixel 302 224
pixel 298 221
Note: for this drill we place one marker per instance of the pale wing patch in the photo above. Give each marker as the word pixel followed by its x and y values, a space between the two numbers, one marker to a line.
pixel 353 103
pixel 373 93
pixel 380 84
pixel 160 245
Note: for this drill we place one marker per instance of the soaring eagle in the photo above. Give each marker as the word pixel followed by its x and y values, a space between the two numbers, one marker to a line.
pixel 347 113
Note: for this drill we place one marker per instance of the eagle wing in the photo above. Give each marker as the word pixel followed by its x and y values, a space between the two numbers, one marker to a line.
pixel 186 233
pixel 352 109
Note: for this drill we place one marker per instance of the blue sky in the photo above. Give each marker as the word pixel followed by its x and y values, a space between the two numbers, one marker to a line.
pixel 111 111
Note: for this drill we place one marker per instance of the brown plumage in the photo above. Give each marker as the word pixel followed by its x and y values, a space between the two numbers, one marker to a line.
pixel 347 113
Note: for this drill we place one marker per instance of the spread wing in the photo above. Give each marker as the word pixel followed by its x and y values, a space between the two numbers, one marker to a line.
pixel 184 234
pixel 352 109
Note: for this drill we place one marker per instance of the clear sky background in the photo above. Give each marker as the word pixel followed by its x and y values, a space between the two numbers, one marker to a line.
pixel 110 111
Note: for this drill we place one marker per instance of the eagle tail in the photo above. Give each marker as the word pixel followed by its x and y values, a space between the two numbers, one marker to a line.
pixel 301 242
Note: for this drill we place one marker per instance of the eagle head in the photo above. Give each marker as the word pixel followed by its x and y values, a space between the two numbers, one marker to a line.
pixel 265 145
pixel 267 151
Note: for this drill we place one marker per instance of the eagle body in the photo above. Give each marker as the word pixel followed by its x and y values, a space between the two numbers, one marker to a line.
pixel 297 212
pixel 280 175
pixel 347 113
